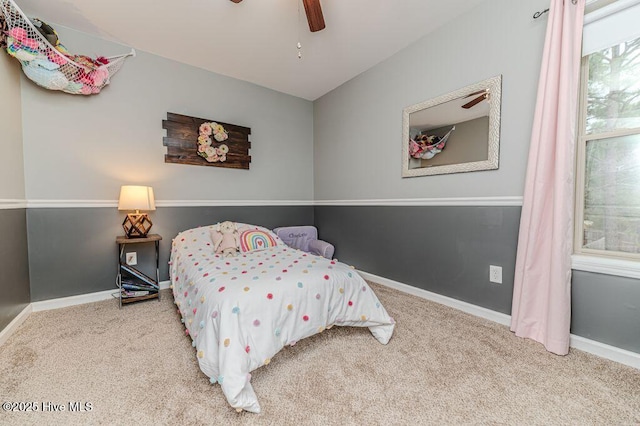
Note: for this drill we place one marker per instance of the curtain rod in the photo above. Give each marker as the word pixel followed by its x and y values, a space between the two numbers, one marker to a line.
pixel 539 14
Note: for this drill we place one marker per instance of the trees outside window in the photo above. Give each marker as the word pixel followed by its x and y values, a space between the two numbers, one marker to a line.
pixel 608 166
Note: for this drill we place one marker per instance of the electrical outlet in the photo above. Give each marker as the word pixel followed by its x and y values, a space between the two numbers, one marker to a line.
pixel 132 258
pixel 495 274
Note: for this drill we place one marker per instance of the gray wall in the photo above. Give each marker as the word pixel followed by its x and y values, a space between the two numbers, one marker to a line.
pixel 14 269
pixel 359 124
pixel 85 148
pixel 11 162
pixel 73 250
pixel 607 309
pixel 14 265
pixel 468 142
pixel 497 37
pixel 445 250
pixel 448 250
pixel 82 149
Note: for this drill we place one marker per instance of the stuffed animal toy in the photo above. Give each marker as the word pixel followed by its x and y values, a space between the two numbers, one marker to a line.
pixel 45 74
pixel 225 239
pixel 46 30
pixel 21 46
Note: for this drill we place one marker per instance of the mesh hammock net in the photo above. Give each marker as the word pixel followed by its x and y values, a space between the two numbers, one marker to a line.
pixel 46 62
pixel 426 147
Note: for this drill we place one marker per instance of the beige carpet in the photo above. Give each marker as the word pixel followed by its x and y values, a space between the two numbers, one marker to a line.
pixel 135 366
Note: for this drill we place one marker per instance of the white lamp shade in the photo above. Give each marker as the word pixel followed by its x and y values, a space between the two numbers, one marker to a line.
pixel 134 197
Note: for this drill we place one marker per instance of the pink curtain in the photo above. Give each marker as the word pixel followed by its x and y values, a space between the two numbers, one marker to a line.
pixel 541 307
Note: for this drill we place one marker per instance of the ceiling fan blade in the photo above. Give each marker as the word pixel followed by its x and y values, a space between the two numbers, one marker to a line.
pixel 475 101
pixel 236 1
pixel 470 94
pixel 314 15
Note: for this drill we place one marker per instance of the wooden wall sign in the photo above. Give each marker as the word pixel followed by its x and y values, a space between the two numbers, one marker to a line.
pixel 189 142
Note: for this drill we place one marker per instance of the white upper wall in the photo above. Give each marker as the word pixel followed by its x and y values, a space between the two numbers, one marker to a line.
pixel 11 164
pixel 358 126
pixel 84 148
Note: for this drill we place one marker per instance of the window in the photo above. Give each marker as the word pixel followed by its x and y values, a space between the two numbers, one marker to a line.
pixel 608 153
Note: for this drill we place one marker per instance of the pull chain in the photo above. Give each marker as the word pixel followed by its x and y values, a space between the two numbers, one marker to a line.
pixel 299 45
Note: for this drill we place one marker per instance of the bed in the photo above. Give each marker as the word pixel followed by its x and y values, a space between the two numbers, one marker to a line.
pixel 241 311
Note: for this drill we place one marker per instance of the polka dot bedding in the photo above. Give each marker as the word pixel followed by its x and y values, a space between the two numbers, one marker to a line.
pixel 241 311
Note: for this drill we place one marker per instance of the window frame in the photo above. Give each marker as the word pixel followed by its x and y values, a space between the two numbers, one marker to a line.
pixel 594 260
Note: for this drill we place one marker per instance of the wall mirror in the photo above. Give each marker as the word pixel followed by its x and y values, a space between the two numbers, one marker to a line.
pixel 453 133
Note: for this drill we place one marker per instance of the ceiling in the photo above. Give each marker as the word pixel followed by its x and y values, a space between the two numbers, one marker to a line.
pixel 256 40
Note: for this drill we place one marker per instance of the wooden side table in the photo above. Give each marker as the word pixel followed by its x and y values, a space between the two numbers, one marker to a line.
pixel 136 278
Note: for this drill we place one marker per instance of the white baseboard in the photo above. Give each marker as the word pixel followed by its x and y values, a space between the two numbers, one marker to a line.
pixel 14 324
pixel 632 359
pixel 602 350
pixel 63 302
pixel 613 353
pixel 469 308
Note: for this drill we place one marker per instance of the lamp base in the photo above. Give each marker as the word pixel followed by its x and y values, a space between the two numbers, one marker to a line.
pixel 137 225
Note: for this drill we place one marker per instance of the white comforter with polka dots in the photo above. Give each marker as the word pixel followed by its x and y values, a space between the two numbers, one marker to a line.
pixel 240 311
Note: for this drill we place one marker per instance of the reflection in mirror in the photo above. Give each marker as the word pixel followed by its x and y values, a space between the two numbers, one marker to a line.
pixel 456 132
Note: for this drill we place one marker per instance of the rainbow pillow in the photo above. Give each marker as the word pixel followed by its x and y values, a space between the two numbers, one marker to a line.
pixel 254 239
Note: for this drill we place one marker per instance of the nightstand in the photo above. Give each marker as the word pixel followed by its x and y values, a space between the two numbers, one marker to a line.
pixel 133 284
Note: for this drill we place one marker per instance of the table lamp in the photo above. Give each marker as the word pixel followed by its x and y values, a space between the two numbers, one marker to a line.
pixel 136 225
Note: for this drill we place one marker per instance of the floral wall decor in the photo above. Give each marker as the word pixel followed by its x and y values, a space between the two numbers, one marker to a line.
pixel 203 142
pixel 208 152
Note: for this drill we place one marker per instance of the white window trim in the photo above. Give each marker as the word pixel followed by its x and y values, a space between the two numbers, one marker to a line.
pixel 609 263
pixel 609 25
pixel 606 265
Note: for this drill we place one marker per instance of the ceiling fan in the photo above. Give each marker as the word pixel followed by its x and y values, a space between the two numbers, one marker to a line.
pixel 484 94
pixel 314 14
